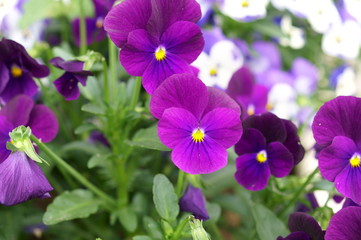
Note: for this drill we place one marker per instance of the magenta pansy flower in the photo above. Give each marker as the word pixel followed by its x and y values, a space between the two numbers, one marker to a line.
pixel 337 130
pixel 20 178
pixel 197 122
pixel 67 84
pixel 17 70
pixel 193 201
pixel 157 38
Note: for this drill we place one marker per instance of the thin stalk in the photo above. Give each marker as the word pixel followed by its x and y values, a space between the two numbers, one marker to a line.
pixel 180 183
pixel 136 92
pixel 178 232
pixel 106 81
pixel 298 193
pixel 217 233
pixel 83 45
pixel 110 201
pixel 113 69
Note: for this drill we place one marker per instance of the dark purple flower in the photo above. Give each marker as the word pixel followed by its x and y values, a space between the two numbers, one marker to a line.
pixel 17 70
pixel 336 128
pixel 197 122
pixel 303 227
pixel 193 201
pixel 252 97
pixel 20 178
pixel 158 38
pixel 345 224
pixel 67 84
pixel 94 25
pixel 269 145
pixel 313 201
pixel 98 137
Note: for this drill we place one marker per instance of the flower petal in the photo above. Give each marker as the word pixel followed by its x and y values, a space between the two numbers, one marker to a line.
pixel 167 12
pixel 17 110
pixel 199 158
pixel 220 99
pixel 241 83
pixel 193 201
pixel 292 142
pixel 280 160
pixel 347 182
pixel 67 85
pixel 175 125
pixel 269 125
pixel 138 53
pixel 158 71
pixel 345 224
pixel 223 125
pixel 251 174
pixel 24 84
pixel 299 221
pixel 252 141
pixel 184 39
pixel 21 180
pixel 333 159
pixel 68 66
pixel 5 128
pixel 180 90
pixel 43 123
pixel 338 117
pixel 296 236
pixel 125 17
pixel 4 76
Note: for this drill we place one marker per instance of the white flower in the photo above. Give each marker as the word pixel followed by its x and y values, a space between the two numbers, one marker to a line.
pixel 343 40
pixel 346 84
pixel 217 68
pixel 245 10
pixel 282 99
pixel 353 7
pixel 294 36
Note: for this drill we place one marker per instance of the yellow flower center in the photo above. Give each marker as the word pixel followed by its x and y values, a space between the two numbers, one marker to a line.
pixel 355 161
pixel 198 135
pixel 99 23
pixel 261 156
pixel 16 71
pixel 269 106
pixel 213 72
pixel 160 54
pixel 251 110
pixel 245 3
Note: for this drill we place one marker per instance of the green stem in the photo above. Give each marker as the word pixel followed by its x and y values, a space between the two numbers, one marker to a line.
pixel 180 182
pixel 298 193
pixel 83 45
pixel 218 235
pixel 136 92
pixel 110 201
pixel 106 81
pixel 113 69
pixel 178 232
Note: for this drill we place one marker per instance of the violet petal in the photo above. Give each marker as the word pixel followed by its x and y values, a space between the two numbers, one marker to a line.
pixel 280 160
pixel 252 141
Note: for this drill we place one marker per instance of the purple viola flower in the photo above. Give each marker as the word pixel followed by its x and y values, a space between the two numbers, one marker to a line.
pixel 20 178
pixel 345 224
pixel 67 84
pixel 305 76
pixel 269 145
pixel 252 97
pixel 193 201
pixel 17 70
pixel 94 25
pixel 197 122
pixel 157 38
pixel 303 227
pixel 313 202
pixel 336 128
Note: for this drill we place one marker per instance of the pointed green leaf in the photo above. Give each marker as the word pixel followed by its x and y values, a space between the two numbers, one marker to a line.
pixel 165 198
pixel 148 138
pixel 71 205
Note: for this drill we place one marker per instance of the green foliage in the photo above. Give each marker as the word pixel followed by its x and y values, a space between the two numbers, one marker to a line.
pixel 71 205
pixel 165 198
pixel 148 138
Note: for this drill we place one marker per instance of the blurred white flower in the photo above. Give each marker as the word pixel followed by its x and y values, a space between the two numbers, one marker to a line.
pixel 5 7
pixel 245 10
pixel 217 68
pixel 346 83
pixel 322 14
pixel 343 40
pixel 353 7
pixel 282 99
pixel 294 36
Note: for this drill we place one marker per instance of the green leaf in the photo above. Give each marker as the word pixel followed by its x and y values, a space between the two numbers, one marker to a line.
pixel 214 211
pixel 165 198
pixel 98 160
pixel 93 108
pixel 86 127
pixel 71 205
pixel 128 219
pixel 141 237
pixel 148 138
pixel 267 224
pixel 152 228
